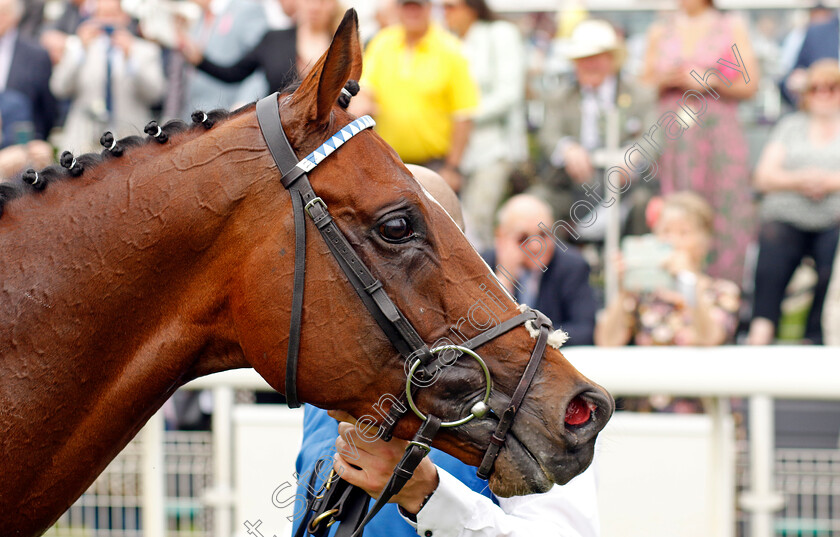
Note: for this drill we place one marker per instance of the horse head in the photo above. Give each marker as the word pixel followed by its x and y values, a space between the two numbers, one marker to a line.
pixel 433 276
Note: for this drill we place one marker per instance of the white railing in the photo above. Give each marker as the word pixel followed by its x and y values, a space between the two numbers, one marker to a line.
pixel 760 373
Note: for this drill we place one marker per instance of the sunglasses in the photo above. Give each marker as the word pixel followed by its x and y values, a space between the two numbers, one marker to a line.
pixel 824 88
pixel 524 237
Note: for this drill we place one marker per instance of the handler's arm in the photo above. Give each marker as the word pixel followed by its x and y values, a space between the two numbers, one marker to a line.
pixel 454 510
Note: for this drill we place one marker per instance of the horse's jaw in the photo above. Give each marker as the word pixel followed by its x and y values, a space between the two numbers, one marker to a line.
pixel 519 470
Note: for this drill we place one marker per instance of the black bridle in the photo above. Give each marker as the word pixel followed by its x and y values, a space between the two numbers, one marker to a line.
pixel 337 500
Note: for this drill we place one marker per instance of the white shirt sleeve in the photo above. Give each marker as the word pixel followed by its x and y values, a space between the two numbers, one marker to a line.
pixel 454 510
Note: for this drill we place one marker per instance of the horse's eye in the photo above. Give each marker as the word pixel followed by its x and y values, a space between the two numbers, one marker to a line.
pixel 396 230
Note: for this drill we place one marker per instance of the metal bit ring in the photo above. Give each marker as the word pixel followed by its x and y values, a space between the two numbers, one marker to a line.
pixel 477 410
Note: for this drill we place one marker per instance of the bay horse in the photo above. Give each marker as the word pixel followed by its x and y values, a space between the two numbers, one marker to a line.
pixel 175 260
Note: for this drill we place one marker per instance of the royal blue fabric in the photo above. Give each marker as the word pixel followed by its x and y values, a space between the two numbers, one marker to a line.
pixel 319 434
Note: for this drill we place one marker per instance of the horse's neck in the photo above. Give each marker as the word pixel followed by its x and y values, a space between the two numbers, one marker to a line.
pixel 113 294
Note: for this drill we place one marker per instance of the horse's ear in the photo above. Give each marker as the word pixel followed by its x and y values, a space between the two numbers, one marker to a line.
pixel 319 91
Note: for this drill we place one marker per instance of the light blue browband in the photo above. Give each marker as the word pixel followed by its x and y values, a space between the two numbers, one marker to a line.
pixel 350 130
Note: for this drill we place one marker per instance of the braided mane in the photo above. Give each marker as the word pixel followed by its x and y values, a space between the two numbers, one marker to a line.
pixel 32 181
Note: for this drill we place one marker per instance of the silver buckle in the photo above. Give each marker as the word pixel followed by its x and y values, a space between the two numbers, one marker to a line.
pixel 313 201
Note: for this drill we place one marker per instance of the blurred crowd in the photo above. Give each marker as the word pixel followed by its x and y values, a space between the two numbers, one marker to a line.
pixel 534 120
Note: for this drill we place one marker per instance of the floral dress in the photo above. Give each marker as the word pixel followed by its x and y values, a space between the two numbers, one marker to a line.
pixel 711 158
pixel 662 317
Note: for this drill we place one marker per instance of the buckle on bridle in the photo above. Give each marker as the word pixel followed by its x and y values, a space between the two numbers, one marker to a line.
pixel 425 447
pixel 313 526
pixel 314 201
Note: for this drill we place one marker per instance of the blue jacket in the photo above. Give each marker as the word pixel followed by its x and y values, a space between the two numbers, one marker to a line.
pixel 319 434
pixel 29 74
pixel 821 41
pixel 565 295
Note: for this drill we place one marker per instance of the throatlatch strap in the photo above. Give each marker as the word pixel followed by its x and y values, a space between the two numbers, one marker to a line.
pixel 497 440
pixel 285 159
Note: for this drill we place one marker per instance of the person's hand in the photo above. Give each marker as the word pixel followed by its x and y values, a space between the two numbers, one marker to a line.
pixel 54 42
pixel 123 40
pixel 189 48
pixel 679 261
pixel 376 462
pixel 577 162
pixel 816 190
pixel 815 183
pixel 88 31
pixel 40 154
pixel 12 160
pixel 673 79
pixel 797 80
pixel 452 177
pixel 510 256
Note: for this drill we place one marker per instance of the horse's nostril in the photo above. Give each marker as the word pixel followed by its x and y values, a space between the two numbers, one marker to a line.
pixel 579 411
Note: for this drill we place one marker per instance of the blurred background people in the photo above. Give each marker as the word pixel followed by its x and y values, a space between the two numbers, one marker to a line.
pixel 710 159
pixel 552 281
pixel 821 40
pixel 54 35
pixel 112 77
pixel 284 55
pixel 703 311
pixel 496 58
pixel 386 13
pixel 800 212
pixel 416 83
pixel 225 31
pixel 25 71
pixel 791 46
pixel 575 124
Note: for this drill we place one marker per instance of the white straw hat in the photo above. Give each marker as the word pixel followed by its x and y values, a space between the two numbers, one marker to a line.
pixel 594 36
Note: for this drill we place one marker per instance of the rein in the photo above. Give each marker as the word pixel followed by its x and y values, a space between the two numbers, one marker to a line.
pixel 337 500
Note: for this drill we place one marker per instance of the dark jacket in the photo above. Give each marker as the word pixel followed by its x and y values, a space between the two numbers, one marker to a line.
pixel 565 295
pixel 275 54
pixel 821 41
pixel 29 74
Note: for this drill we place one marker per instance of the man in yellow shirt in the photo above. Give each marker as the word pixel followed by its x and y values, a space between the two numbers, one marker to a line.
pixel 417 84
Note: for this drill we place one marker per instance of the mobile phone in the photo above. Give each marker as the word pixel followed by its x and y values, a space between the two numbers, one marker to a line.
pixel 644 259
pixel 24 132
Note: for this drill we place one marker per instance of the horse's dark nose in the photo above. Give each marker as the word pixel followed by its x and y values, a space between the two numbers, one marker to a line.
pixel 586 414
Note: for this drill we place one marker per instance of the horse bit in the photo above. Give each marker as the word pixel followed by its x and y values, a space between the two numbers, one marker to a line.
pixel 338 500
